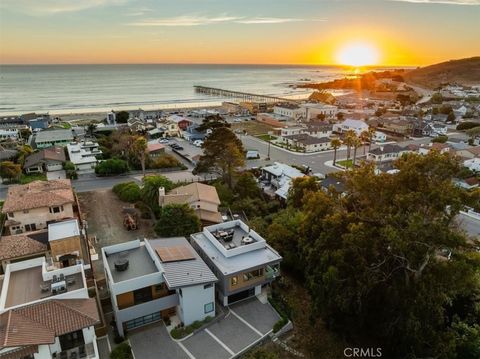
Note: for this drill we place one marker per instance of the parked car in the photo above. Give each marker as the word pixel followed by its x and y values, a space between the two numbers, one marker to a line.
pixel 163 140
pixel 178 148
pixel 198 143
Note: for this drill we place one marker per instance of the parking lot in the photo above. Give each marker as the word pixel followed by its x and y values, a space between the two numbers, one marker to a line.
pixel 244 324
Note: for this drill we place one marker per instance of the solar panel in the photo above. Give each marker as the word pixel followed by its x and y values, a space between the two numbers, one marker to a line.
pixel 173 254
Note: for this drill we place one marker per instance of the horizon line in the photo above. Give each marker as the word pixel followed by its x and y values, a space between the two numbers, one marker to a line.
pixel 204 63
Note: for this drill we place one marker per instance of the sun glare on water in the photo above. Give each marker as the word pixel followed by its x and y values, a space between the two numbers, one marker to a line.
pixel 358 54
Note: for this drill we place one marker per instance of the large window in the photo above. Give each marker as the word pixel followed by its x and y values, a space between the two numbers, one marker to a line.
pixel 142 295
pixel 31 227
pixel 253 274
pixel 57 209
pixel 208 308
pixel 71 340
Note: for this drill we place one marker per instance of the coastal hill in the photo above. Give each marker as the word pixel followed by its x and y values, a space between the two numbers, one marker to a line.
pixel 462 72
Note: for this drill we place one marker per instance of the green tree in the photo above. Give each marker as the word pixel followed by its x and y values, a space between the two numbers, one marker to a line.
pixel 335 143
pixel 223 154
pixel 91 129
pixel 375 263
pixel 440 139
pixel 127 192
pixel 151 186
pixel 139 150
pixel 212 122
pixel 122 116
pixel 177 220
pixel 247 186
pixel 23 152
pixel 111 167
pixel 10 170
pixel 473 132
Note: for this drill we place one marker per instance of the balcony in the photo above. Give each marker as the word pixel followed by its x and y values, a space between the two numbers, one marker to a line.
pixel 85 351
pixel 272 272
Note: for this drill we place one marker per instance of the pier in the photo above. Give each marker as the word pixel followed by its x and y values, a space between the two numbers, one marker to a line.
pixel 243 96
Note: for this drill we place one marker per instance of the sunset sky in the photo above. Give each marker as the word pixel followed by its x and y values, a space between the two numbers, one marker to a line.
pixel 400 32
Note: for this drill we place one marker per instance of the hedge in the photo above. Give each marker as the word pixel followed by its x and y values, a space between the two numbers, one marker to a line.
pixel 112 166
pixel 467 125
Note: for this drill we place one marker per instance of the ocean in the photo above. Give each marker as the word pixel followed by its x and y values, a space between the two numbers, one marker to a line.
pixel 64 89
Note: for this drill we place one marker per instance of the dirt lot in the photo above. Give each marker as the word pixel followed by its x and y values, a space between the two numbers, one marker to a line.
pixel 252 127
pixel 103 211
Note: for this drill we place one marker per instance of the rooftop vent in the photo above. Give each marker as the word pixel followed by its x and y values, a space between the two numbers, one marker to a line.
pixel 121 264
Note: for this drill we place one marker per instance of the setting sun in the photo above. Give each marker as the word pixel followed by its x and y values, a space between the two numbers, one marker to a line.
pixel 358 54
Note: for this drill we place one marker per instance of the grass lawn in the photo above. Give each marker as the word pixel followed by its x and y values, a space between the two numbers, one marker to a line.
pixel 24 179
pixel 266 137
pixel 345 163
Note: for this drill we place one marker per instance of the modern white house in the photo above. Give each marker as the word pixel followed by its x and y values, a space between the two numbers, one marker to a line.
pixel 379 137
pixel 84 155
pixel 8 133
pixel 46 313
pixel 357 126
pixel 241 259
pixel 289 110
pixel 156 279
pixel 313 111
pixel 473 164
pixel 386 153
pixel 306 143
pixel 279 176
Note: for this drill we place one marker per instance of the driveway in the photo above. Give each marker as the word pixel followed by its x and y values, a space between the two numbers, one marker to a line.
pixel 245 323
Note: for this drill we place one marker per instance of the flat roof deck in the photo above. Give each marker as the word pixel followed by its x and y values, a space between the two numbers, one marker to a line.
pixel 238 263
pixel 24 286
pixel 236 239
pixel 140 264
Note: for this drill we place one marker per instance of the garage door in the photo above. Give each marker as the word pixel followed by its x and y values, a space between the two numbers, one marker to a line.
pixel 138 322
pixel 241 295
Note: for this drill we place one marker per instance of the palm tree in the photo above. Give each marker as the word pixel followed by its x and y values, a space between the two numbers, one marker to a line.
pixel 355 143
pixel 371 135
pixel 335 143
pixel 348 140
pixel 23 152
pixel 364 137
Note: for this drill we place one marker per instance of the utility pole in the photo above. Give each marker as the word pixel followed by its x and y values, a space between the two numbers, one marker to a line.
pixel 268 151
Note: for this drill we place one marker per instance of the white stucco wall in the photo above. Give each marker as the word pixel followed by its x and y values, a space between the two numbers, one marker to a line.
pixel 192 303
pixel 40 216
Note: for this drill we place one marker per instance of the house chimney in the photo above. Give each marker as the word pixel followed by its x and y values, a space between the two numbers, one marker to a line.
pixel 161 195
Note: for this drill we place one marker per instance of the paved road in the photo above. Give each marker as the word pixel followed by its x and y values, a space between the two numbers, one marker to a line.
pixel 316 161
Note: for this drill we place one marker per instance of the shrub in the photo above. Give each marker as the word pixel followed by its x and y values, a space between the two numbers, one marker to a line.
pixel 280 324
pixel 122 351
pixel 164 161
pixel 440 139
pixel 467 125
pixel 127 192
pixel 111 167
pixel 181 332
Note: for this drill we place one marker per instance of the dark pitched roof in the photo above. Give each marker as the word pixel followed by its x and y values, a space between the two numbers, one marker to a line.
pixel 306 139
pixel 55 153
pixel 389 148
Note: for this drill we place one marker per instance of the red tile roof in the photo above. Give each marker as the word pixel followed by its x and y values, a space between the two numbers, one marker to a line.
pixel 41 322
pixel 19 245
pixel 38 194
